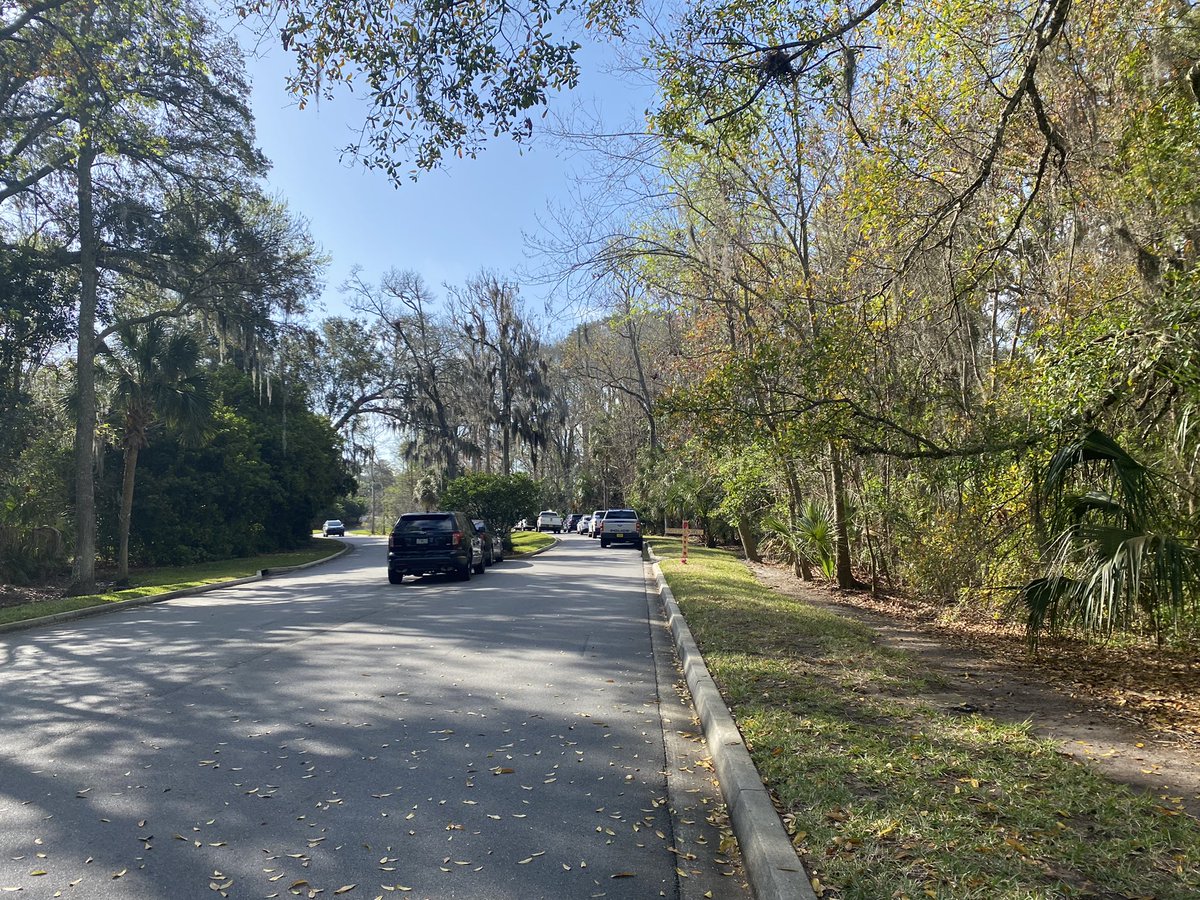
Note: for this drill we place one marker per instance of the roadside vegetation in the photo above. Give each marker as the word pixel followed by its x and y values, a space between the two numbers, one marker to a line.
pixel 886 796
pixel 530 541
pixel 149 582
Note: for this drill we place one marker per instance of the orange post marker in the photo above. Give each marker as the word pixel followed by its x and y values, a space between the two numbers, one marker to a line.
pixel 685 537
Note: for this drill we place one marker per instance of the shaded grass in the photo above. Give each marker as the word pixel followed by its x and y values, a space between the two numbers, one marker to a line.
pixel 149 582
pixel 529 541
pixel 889 797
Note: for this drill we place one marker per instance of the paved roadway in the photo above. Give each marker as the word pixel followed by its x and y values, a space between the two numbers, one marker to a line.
pixel 327 734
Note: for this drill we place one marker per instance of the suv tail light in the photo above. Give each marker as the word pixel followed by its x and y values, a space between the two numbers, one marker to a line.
pixel 391 542
pixel 637 526
pixel 455 538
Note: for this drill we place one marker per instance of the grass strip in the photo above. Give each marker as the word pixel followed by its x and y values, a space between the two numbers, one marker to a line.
pixel 148 582
pixel 530 541
pixel 886 796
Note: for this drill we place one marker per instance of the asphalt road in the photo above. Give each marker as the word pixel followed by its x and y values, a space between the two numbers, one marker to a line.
pixel 328 734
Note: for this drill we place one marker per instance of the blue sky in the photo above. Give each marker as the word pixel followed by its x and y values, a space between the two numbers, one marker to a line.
pixel 447 225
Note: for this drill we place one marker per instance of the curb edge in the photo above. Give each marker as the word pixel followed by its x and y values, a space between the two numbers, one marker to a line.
pixel 89 611
pixel 773 868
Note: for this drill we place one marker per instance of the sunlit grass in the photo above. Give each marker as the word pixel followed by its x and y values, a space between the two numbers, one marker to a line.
pixel 889 797
pixel 530 541
pixel 148 582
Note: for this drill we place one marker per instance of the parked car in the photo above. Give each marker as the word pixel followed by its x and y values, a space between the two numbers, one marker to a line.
pixel 422 543
pixel 572 522
pixel 549 520
pixel 594 525
pixel 492 543
pixel 621 526
pixel 332 527
pixel 522 525
pixel 584 523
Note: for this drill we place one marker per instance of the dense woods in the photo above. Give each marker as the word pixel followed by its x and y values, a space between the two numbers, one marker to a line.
pixel 902 294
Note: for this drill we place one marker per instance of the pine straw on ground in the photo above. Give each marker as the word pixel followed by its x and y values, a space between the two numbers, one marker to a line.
pixel 18 594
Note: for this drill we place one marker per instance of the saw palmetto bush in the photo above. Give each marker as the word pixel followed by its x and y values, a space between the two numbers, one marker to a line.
pixel 1117 561
pixel 805 539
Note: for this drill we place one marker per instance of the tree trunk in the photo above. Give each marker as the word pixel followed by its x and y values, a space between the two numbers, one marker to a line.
pixel 845 572
pixel 505 449
pixel 131 456
pixel 800 565
pixel 83 572
pixel 803 568
pixel 749 541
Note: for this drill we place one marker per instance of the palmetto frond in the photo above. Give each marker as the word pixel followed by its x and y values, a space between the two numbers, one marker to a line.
pixel 810 537
pixel 1094 453
pixel 815 525
pixel 157 378
pixel 1115 562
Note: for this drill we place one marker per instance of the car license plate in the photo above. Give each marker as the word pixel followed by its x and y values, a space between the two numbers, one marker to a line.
pixel 620 534
pixel 421 541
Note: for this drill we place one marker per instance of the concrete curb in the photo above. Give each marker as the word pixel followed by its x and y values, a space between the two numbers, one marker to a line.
pixel 283 570
pixel 89 611
pixel 772 866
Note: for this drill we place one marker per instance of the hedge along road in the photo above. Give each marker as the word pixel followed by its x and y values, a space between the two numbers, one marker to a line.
pixel 326 731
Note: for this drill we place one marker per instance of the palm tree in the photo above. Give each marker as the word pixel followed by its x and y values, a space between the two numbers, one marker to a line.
pixel 156 380
pixel 1118 560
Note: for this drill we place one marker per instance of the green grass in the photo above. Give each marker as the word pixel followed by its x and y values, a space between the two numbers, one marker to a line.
pixel 148 582
pixel 890 798
pixel 530 541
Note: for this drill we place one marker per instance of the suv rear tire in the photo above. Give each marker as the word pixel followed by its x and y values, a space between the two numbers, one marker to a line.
pixel 464 574
pixel 395 577
pixel 479 568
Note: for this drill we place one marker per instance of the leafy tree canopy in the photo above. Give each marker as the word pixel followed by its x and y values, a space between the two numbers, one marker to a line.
pixel 500 500
pixel 440 74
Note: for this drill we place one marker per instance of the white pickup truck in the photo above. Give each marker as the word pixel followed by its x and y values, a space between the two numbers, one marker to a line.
pixel 621 526
pixel 549 520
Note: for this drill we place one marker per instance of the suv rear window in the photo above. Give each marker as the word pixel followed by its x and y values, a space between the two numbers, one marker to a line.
pixel 425 523
pixel 621 514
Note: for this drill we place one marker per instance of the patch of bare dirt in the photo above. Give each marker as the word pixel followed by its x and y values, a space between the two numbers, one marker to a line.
pixel 1133 714
pixel 17 595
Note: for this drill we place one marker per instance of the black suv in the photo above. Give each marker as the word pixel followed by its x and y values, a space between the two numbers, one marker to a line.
pixel 621 526
pixel 434 542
